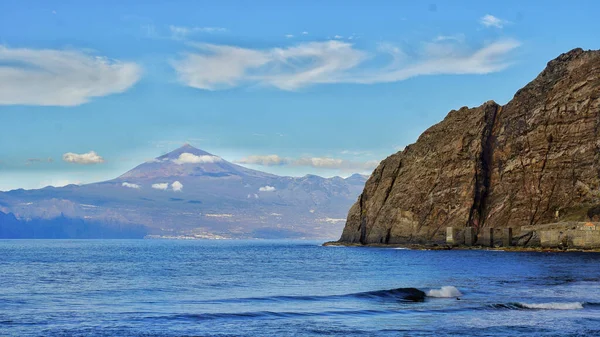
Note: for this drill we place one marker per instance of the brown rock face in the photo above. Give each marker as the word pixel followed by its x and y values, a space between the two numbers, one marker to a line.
pixel 533 161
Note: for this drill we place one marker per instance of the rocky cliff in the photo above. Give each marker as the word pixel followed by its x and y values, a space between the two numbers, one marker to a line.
pixel 532 161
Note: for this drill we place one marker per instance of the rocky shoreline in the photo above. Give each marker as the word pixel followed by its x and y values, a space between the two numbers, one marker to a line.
pixel 448 247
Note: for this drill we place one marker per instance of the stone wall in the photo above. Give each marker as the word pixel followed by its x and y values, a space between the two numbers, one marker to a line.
pixel 571 235
pixel 577 235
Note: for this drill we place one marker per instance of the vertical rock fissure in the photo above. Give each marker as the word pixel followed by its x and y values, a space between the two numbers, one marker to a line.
pixel 388 190
pixel 362 227
pixel 483 169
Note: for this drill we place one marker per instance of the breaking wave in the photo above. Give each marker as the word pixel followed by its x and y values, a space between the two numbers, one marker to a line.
pixel 444 292
pixel 553 306
pixel 544 306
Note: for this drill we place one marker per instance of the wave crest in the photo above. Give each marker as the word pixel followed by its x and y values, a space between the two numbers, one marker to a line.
pixel 444 292
pixel 553 306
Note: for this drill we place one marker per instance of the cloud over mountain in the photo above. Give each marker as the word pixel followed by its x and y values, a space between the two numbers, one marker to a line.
pixel 177 186
pixel 160 186
pixel 190 158
pixel 130 185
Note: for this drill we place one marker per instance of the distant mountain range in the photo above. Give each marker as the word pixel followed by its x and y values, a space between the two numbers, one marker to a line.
pixel 185 193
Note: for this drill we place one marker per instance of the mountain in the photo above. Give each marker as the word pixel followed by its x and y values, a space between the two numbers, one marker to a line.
pixel 189 192
pixel 533 161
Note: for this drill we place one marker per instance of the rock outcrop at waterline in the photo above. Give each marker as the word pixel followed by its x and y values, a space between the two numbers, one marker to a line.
pixel 533 161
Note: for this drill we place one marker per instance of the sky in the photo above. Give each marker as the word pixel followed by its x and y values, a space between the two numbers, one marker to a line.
pixel 91 89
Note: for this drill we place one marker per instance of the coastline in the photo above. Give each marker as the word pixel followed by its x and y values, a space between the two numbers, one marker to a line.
pixel 462 247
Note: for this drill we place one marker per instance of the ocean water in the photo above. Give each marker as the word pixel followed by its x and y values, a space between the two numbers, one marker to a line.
pixel 290 288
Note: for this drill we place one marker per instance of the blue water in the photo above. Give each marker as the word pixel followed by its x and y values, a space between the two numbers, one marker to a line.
pixel 289 288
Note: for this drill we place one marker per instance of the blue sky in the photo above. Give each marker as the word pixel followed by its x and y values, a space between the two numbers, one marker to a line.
pixel 89 90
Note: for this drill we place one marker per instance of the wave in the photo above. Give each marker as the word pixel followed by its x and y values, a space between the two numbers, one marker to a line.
pixel 554 306
pixel 371 312
pixel 272 314
pixel 397 294
pixel 444 292
pixel 544 306
pixel 407 294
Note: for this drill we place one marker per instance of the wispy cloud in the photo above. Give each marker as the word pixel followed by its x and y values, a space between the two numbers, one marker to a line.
pixel 456 37
pixel 314 162
pixel 60 77
pixel 319 162
pixel 267 160
pixel 84 158
pixel 215 67
pixel 180 32
pixel 31 161
pixel 336 163
pixel 356 153
pixel 289 36
pixel 492 21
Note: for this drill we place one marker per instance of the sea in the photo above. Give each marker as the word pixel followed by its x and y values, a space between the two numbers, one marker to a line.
pixel 290 288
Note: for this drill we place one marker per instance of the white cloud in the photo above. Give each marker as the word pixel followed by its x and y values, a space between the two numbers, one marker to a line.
pixel 60 77
pixel 289 36
pixel 160 186
pixel 130 185
pixel 492 21
pixel 177 186
pixel 84 158
pixel 336 163
pixel 215 67
pixel 337 37
pixel 315 162
pixel 268 160
pixel 190 158
pixel 266 189
pixel 304 33
pixel 320 162
pixel 180 32
pixel 356 153
pixel 457 37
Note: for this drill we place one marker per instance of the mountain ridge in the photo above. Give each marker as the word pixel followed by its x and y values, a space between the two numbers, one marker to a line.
pixel 192 192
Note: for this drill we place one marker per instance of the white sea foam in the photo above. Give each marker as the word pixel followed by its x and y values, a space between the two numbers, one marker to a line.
pixel 554 306
pixel 444 292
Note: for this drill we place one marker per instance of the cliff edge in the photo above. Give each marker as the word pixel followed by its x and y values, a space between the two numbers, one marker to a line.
pixel 533 161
